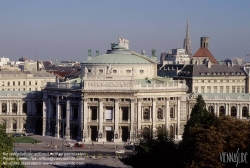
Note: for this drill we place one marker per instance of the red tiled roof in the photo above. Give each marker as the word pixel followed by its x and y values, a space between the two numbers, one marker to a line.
pixel 204 52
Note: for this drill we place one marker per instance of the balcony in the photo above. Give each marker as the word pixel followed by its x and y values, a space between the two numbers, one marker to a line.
pixel 64 85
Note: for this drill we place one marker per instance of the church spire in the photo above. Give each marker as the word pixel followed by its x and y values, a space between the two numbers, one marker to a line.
pixel 187 41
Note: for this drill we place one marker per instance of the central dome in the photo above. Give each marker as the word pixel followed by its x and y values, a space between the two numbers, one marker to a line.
pixel 120 54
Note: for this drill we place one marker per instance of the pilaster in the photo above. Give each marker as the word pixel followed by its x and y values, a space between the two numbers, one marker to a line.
pixel 101 118
pixel 57 117
pixel 80 119
pixel 67 132
pixel 85 117
pixel 116 112
pixel 178 118
pixel 139 113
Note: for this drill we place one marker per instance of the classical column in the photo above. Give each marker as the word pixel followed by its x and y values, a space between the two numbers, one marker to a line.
pixel 8 106
pixel 67 131
pixel 18 107
pixel 132 118
pixel 240 112
pixel 116 112
pixel 21 107
pixel 100 117
pixel 167 113
pixel 49 116
pixel 80 119
pixel 226 112
pixel 139 113
pixel 154 114
pixel 44 117
pixel 178 117
pixel 57 118
pixel 85 117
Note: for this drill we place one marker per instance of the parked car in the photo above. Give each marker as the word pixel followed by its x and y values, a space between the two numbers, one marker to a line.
pixel 17 135
pixel 119 151
pixel 28 134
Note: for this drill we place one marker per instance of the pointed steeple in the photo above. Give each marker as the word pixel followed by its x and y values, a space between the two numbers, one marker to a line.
pixel 187 41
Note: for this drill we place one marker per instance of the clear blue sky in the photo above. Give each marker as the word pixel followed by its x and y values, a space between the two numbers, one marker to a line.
pixel 66 29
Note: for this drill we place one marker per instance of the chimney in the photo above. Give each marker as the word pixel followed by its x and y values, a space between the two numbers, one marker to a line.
pixel 204 42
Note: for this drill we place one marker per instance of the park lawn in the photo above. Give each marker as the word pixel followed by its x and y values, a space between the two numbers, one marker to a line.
pixel 25 140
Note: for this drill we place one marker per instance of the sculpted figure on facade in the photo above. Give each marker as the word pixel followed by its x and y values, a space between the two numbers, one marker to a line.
pixel 109 69
pixel 86 71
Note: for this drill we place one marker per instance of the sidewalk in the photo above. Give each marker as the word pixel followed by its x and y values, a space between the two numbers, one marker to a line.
pixel 52 141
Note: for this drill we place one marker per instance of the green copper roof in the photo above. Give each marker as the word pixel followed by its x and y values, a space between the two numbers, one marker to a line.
pixel 120 55
pixel 117 59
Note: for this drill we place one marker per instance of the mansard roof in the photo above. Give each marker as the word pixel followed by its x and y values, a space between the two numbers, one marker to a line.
pixel 204 52
pixel 215 70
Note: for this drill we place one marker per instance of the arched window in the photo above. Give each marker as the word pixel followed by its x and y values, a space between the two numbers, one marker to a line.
pixel 14 108
pixel 146 114
pixel 14 125
pixel 160 113
pixel 233 111
pixel 171 131
pixel 211 109
pixel 23 82
pixel 244 112
pixel 24 108
pixel 222 110
pixel 13 83
pixel 4 108
pixel 172 115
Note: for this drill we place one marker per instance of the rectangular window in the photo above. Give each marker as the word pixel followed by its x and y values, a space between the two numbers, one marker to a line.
pixel 196 89
pixel 238 89
pixel 35 82
pixel 114 71
pixel 202 89
pixel 29 82
pixel 141 71
pixel 215 89
pixel 242 89
pixel 100 71
pixel 89 70
pixel 128 71
pixel 209 89
pixel 227 89
pixel 221 89
pixel 3 83
pixel 233 89
pixel 29 89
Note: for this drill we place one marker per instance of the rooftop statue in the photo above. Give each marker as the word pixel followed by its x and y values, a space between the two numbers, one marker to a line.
pixel 123 42
pixel 154 52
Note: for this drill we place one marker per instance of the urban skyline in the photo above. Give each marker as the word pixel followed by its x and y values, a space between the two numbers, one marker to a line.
pixel 64 30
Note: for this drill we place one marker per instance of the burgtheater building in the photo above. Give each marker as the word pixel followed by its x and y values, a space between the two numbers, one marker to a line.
pixel 118 96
